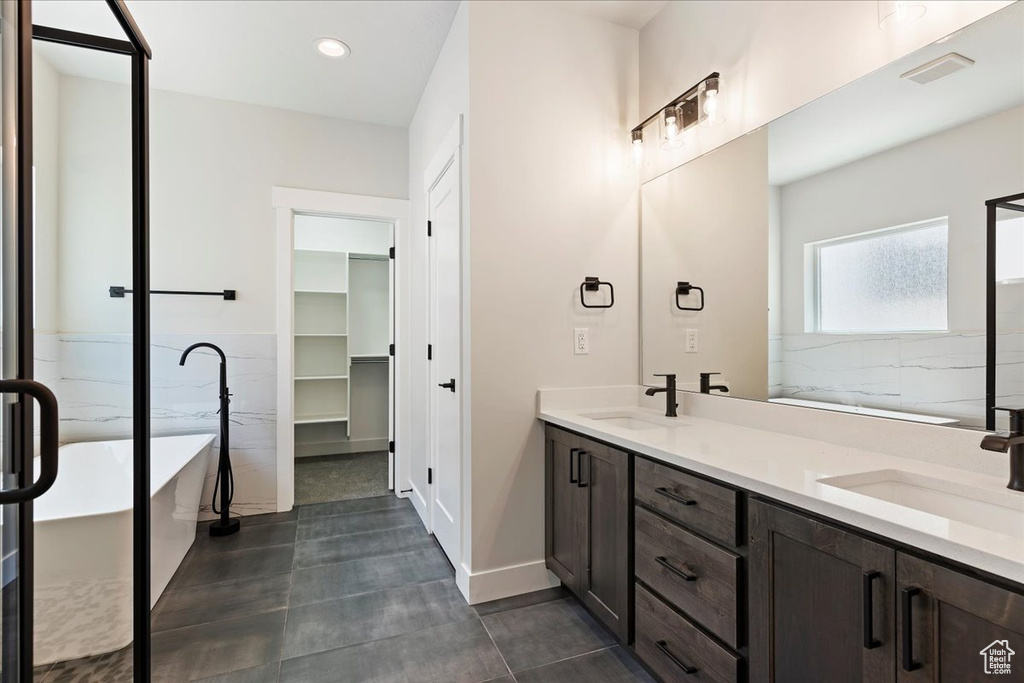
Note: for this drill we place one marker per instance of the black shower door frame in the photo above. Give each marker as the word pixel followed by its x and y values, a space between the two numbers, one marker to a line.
pixel 140 53
pixel 1013 203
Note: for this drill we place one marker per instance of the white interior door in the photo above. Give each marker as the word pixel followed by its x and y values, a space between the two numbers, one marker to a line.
pixel 443 203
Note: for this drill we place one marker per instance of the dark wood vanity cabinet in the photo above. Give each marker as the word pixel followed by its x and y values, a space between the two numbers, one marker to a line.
pixel 950 624
pixel 588 524
pixel 822 601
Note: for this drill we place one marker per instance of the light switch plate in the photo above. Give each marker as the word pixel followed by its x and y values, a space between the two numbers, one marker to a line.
pixel 691 341
pixel 581 341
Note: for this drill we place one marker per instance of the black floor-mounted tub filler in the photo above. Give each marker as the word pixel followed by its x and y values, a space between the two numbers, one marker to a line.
pixel 225 526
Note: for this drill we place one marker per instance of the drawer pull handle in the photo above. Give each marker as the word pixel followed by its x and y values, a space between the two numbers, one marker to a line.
pixel 573 452
pixel 684 575
pixel 672 495
pixel 868 595
pixel 663 646
pixel 907 598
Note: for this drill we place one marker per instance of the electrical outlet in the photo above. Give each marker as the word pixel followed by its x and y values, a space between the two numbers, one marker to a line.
pixel 581 341
pixel 691 341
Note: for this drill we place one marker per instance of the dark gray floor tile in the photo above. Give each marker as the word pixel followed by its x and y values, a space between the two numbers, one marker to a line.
pixel 248 536
pixel 113 667
pixel 460 652
pixel 185 654
pixel 235 565
pixel 201 604
pixel 613 665
pixel 356 522
pixel 524 600
pixel 345 507
pixel 332 581
pixel 39 673
pixel 259 674
pixel 372 616
pixel 356 546
pixel 253 520
pixel 541 634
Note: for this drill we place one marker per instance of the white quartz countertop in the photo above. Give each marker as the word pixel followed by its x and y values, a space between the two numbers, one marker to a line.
pixel 788 468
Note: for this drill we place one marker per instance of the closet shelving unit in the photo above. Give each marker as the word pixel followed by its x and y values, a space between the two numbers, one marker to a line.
pixel 340 349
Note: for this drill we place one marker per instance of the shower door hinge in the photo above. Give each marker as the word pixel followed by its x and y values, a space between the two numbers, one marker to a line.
pixel 391 253
pixel 430 230
pixel 430 352
pixel 391 349
pixel 391 446
pixel 430 475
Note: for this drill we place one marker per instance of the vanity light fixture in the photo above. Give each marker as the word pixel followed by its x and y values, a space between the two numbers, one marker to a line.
pixel 638 147
pixel 700 104
pixel 897 13
pixel 332 47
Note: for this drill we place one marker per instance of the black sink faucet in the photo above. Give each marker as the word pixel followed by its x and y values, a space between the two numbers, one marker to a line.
pixel 705 384
pixel 670 394
pixel 1013 444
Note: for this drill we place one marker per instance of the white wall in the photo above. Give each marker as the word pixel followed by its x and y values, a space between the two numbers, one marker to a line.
pixel 445 98
pixel 213 165
pixel 707 223
pixel 332 233
pixel 554 199
pixel 46 161
pixel 774 56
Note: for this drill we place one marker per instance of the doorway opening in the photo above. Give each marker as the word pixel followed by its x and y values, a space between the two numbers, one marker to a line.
pixel 343 323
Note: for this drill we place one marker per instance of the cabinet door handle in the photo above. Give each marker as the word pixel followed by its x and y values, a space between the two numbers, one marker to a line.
pixel 573 453
pixel 907 600
pixel 681 573
pixel 868 595
pixel 672 495
pixel 579 469
pixel 663 646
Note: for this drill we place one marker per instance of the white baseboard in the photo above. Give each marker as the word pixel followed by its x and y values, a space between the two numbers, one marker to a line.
pixel 503 582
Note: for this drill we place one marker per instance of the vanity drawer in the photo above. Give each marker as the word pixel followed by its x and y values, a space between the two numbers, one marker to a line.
pixel 695 576
pixel 708 509
pixel 675 650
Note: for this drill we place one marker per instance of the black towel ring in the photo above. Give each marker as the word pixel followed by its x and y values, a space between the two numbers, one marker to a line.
pixel 593 284
pixel 684 289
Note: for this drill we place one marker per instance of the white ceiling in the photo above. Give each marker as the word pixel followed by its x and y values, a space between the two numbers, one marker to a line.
pixel 882 110
pixel 631 13
pixel 262 52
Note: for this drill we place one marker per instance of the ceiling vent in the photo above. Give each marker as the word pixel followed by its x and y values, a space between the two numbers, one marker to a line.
pixel 938 68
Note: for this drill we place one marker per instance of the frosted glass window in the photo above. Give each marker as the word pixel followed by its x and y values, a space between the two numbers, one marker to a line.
pixel 884 281
pixel 1010 250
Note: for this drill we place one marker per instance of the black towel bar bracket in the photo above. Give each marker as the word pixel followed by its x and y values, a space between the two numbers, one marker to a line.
pixel 685 289
pixel 593 284
pixel 117 292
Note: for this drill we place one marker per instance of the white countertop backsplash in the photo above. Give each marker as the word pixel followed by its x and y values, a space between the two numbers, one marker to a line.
pixel 782 451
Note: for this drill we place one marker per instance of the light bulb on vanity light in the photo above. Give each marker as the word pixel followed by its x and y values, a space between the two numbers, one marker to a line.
pixel 638 147
pixel 709 95
pixel 671 125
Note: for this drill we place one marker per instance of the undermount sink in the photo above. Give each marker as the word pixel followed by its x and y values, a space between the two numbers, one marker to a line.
pixel 997 510
pixel 624 421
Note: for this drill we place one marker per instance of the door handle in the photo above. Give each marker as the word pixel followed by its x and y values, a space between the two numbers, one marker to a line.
pixel 579 469
pixel 687 669
pixel 573 454
pixel 448 385
pixel 48 441
pixel 681 573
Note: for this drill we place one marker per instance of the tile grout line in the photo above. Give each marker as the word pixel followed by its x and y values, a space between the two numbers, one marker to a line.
pixel 569 659
pixel 496 648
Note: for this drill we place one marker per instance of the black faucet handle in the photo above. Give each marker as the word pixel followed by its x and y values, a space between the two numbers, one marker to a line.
pixel 707 375
pixel 665 374
pixel 1016 419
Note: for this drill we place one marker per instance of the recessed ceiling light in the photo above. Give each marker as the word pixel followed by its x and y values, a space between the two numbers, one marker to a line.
pixel 331 47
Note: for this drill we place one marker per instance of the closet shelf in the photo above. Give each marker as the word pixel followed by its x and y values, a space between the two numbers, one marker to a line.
pixel 318 377
pixel 334 292
pixel 320 334
pixel 320 419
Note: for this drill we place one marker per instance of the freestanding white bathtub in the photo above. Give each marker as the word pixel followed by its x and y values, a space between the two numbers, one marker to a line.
pixel 83 534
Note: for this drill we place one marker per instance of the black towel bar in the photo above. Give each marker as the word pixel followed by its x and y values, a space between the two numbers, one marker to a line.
pixel 117 292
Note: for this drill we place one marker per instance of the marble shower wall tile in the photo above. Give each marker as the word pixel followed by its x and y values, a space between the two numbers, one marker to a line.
pixel 933 374
pixel 774 366
pixel 95 390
